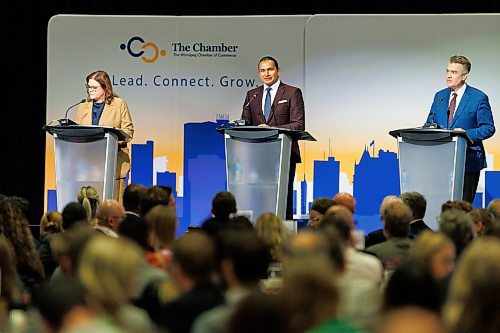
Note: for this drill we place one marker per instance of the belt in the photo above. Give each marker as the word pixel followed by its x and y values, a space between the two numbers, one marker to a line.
pixel 122 145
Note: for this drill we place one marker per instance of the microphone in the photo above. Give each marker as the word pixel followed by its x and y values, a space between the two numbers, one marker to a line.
pixel 65 121
pixel 251 99
pixel 432 116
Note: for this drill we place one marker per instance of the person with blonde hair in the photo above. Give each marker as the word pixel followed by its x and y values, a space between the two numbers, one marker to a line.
pixel 271 229
pixel 89 199
pixel 434 251
pixel 161 222
pixel 472 304
pixel 108 271
pixel 50 223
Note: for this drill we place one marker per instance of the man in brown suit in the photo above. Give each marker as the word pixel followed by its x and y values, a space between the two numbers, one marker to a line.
pixel 283 108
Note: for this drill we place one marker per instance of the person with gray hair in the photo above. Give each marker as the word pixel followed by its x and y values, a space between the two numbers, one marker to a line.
pixel 494 207
pixel 418 205
pixel 377 236
pixel 457 225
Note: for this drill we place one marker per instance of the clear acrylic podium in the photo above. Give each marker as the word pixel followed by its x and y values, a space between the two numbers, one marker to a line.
pixel 257 167
pixel 85 155
pixel 432 162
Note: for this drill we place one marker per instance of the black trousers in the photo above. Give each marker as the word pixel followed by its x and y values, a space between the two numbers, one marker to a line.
pixel 289 198
pixel 471 180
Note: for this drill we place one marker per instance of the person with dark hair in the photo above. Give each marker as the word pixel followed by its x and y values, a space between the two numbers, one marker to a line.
pixel 223 206
pixel 157 195
pixel 456 204
pixel 132 197
pixel 103 107
pixel 276 104
pixel 418 205
pixel 242 259
pixel 318 209
pixel 461 107
pixel 73 213
pixel 457 225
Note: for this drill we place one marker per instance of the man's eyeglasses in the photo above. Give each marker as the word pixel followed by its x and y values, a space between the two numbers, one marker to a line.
pixel 92 87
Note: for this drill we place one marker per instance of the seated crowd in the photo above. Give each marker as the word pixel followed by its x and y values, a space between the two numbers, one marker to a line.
pixel 105 266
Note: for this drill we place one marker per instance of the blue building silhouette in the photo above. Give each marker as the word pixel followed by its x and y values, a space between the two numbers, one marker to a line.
pixel 303 196
pixel 491 186
pixel 204 170
pixel 326 178
pixel 142 163
pixel 374 179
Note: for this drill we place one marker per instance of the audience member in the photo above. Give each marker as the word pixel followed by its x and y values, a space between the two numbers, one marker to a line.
pixel 456 204
pixel 377 236
pixel 481 218
pixel 192 266
pixel 15 226
pixel 50 224
pixel 494 207
pixel 396 217
pixel 162 224
pixel 223 207
pixel 261 313
pixel 410 319
pixel 243 259
pixel 157 195
pixel 271 229
pixel 345 199
pixel 457 225
pixel 109 216
pixel 318 210
pixel 418 205
pixel 132 197
pixel 89 199
pixel 472 305
pixel 72 214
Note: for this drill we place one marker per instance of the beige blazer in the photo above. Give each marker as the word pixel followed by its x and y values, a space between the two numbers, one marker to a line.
pixel 115 114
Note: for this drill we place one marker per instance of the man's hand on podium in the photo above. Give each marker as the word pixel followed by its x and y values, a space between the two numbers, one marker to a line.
pixel 263 125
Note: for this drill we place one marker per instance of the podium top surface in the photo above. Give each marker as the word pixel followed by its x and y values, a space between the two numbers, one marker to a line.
pixel 85 131
pixel 429 134
pixel 256 130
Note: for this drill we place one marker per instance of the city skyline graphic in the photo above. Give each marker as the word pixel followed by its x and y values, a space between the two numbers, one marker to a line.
pixel 375 176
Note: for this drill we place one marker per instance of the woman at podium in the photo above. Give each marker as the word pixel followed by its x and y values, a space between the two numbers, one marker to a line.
pixel 104 108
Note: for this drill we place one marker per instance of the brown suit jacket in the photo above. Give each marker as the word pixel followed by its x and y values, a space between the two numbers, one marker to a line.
pixel 115 114
pixel 287 111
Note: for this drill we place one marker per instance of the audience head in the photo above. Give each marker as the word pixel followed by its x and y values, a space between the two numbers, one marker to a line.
pixel 134 228
pixel 223 205
pixel 240 222
pixel 410 319
pixel 494 207
pixel 110 214
pixel 318 210
pixel 416 202
pixel 72 214
pixel 132 196
pixel 345 199
pixel 193 259
pixel 156 195
pixel 396 217
pixel 242 256
pixel 89 199
pixel 493 229
pixel 261 313
pixel 309 287
pixel 412 285
pixel 387 200
pixel 434 251
pixel 472 304
pixel 271 229
pixel 162 224
pixel 456 204
pixel 108 271
pixel 457 225
pixel 481 218
pixel 50 223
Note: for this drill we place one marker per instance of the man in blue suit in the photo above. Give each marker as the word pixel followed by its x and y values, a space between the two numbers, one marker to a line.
pixel 464 108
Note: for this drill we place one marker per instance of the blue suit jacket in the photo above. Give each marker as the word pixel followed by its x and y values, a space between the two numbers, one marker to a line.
pixel 473 114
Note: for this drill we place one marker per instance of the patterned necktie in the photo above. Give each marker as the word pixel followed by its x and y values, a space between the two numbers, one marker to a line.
pixel 267 104
pixel 451 109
